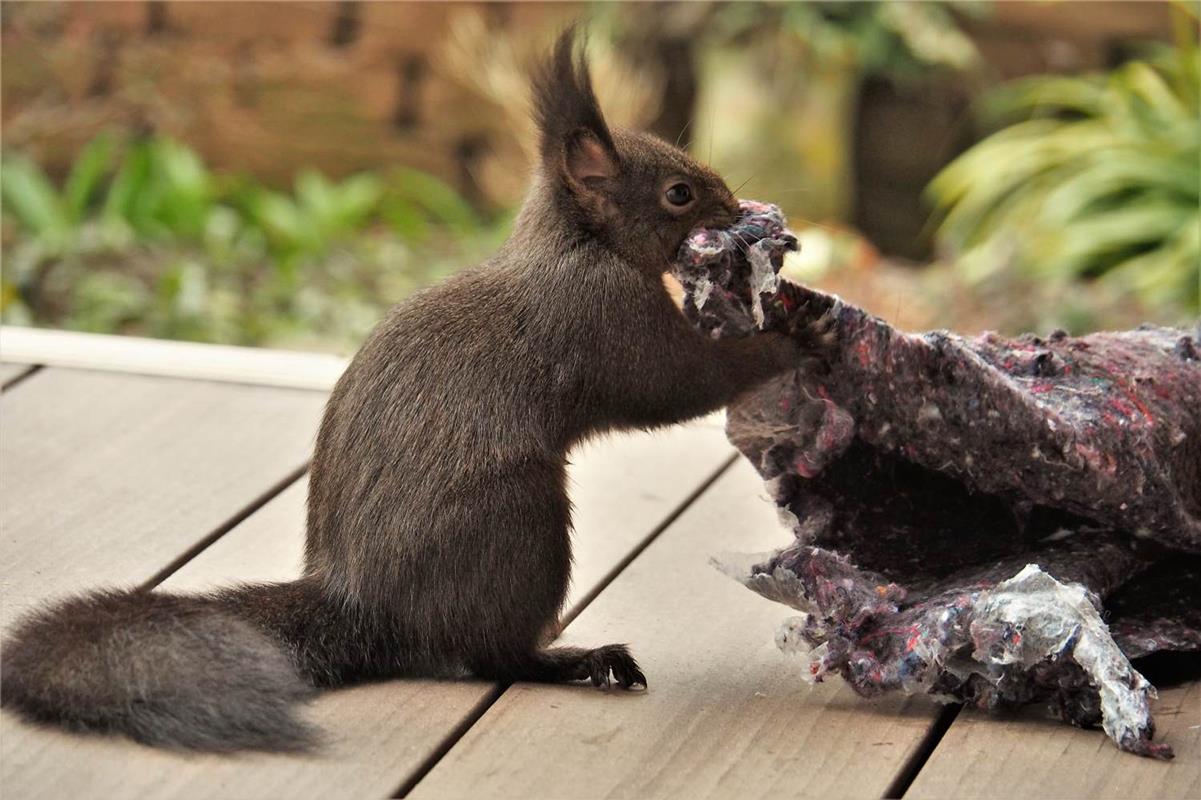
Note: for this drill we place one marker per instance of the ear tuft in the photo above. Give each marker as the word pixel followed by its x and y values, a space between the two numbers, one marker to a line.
pixel 568 115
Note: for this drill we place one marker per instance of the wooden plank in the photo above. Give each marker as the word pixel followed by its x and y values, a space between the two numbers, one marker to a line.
pixel 726 714
pixel 379 734
pixel 623 487
pixel 267 546
pixel 209 362
pixel 376 732
pixel 1032 756
pixel 109 478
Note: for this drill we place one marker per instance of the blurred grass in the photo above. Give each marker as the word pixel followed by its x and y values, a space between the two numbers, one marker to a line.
pixel 142 238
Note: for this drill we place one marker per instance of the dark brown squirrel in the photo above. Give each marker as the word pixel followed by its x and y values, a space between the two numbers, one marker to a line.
pixel 438 516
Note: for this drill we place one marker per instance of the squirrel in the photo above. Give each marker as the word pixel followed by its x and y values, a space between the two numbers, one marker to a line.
pixel 438 529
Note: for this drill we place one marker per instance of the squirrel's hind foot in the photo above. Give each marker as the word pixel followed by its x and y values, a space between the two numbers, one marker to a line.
pixel 615 660
pixel 603 666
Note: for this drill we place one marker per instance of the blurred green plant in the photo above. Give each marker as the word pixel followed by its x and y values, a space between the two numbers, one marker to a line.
pixel 1099 181
pixel 144 238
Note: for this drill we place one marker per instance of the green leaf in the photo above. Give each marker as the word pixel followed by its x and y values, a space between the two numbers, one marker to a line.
pixel 315 197
pixel 1080 246
pixel 32 200
pixel 357 199
pixel 282 219
pixel 436 198
pixel 89 170
pixel 130 183
pixel 1031 97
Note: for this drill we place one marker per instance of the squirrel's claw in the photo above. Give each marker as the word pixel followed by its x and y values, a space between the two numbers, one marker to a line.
pixel 812 327
pixel 615 660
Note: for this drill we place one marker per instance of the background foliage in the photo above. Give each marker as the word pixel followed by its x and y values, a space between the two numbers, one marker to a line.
pixel 1080 210
pixel 1099 181
pixel 144 237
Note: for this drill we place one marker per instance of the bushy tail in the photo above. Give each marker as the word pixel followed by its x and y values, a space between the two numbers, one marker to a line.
pixel 167 670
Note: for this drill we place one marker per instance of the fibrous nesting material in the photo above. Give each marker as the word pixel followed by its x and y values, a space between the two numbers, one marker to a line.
pixel 991 520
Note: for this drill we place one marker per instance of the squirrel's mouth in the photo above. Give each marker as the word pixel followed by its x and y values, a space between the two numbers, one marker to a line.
pixel 723 216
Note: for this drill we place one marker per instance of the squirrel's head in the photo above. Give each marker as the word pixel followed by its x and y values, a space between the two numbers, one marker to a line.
pixel 637 193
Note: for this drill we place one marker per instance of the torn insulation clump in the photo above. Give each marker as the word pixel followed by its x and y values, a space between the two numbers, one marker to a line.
pixel 987 520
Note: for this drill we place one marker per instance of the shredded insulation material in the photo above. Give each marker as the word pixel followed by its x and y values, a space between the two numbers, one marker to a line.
pixel 986 520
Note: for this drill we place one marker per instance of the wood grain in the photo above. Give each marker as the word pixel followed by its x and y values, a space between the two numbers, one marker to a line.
pixel 379 734
pixel 109 478
pixel 726 714
pixel 1032 756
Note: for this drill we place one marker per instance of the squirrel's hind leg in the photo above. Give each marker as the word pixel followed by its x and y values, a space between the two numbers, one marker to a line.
pixel 600 665
pixel 509 598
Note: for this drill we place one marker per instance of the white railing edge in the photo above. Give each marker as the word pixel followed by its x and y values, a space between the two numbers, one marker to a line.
pixel 192 360
pixel 189 360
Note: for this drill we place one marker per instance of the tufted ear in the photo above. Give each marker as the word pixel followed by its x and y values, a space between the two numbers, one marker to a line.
pixel 575 142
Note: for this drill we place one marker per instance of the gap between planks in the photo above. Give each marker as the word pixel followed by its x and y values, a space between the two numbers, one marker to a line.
pixel 1030 754
pixel 13 374
pixel 635 551
pixel 923 752
pixel 241 516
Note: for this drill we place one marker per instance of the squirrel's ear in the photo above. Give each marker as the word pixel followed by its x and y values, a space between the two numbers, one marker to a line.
pixel 575 141
pixel 585 157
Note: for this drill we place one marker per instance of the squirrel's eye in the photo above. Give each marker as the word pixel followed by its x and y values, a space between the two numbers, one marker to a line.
pixel 679 194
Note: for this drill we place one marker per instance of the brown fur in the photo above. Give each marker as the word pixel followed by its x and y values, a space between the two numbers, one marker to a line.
pixel 438 526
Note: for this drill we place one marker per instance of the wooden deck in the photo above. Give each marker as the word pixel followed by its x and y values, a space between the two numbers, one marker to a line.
pixel 126 462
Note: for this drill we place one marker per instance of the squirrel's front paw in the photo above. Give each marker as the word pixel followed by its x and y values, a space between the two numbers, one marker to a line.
pixel 614 659
pixel 811 326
